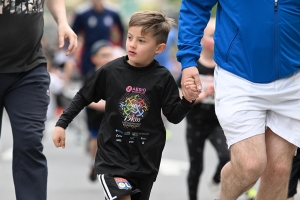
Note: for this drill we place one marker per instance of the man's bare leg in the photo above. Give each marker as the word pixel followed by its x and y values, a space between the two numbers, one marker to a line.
pixel 275 178
pixel 248 161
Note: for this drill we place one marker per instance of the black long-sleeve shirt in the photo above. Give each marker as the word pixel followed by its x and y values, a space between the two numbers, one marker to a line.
pixel 132 134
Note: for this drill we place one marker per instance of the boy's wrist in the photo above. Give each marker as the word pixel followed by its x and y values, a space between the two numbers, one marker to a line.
pixel 61 125
pixel 190 101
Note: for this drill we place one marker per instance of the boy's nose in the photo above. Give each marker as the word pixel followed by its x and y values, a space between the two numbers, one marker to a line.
pixel 132 44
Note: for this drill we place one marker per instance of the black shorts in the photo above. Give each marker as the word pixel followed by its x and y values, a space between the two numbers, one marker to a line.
pixel 295 175
pixel 117 187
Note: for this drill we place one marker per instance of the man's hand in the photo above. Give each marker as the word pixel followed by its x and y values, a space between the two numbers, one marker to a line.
pixel 65 32
pixel 190 72
pixel 57 9
pixel 59 137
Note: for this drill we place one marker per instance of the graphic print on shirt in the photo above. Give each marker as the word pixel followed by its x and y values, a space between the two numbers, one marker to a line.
pixel 131 136
pixel 21 6
pixel 133 106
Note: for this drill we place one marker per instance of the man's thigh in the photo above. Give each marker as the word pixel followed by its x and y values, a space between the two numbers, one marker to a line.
pixel 27 101
pixel 279 150
pixel 241 113
pixel 249 151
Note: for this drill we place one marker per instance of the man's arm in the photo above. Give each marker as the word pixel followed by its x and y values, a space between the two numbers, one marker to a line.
pixel 58 11
pixel 193 18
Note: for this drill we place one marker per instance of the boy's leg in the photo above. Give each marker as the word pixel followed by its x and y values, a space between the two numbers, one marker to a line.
pixel 145 186
pixel 117 187
pixel 248 161
pixel 275 178
pixel 26 103
pixel 125 198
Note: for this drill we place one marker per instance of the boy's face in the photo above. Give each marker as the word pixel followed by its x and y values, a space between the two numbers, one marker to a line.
pixel 141 49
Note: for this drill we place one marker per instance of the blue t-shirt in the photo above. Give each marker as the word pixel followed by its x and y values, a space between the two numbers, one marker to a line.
pixel 105 25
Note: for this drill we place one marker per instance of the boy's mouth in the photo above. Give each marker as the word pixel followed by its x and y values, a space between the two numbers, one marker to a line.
pixel 131 52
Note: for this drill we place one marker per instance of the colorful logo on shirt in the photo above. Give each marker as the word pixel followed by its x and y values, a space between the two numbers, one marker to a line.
pixel 133 107
pixel 122 183
pixel 136 90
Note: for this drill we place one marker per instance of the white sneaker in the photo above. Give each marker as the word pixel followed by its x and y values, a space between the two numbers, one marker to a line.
pixel 215 189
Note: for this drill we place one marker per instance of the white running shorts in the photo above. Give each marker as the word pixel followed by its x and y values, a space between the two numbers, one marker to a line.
pixel 245 109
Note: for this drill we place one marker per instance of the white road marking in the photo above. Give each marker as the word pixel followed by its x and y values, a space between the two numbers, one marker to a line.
pixel 6 155
pixel 170 167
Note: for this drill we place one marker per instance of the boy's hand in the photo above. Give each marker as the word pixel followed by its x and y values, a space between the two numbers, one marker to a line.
pixel 191 72
pixel 59 137
pixel 190 83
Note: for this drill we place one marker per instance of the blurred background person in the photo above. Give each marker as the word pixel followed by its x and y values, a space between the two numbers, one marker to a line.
pixel 202 122
pixel 101 53
pixel 95 21
pixel 168 59
pixel 295 176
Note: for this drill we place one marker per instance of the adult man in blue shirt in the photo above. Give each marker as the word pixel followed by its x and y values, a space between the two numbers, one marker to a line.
pixel 257 84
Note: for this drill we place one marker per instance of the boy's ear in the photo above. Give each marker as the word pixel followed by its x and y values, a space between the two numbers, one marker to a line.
pixel 160 48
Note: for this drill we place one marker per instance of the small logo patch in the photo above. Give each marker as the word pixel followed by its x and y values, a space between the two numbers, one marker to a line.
pixel 122 183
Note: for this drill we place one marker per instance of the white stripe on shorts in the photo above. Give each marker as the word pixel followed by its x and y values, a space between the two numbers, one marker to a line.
pixel 107 193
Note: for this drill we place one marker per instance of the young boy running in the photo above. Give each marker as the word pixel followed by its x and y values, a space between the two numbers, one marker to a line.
pixel 136 89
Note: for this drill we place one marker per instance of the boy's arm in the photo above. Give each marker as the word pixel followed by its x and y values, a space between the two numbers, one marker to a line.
pixel 180 111
pixel 174 107
pixel 72 110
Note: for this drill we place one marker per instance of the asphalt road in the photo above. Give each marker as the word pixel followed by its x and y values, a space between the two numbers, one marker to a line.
pixel 68 168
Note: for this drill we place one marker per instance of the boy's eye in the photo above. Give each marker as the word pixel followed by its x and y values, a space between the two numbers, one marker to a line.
pixel 142 41
pixel 129 37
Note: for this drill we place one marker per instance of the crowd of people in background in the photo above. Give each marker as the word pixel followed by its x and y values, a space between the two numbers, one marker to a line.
pixel 100 27
pixel 101 38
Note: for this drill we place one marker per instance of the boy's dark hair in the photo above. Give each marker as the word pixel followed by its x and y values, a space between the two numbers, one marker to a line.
pixel 154 23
